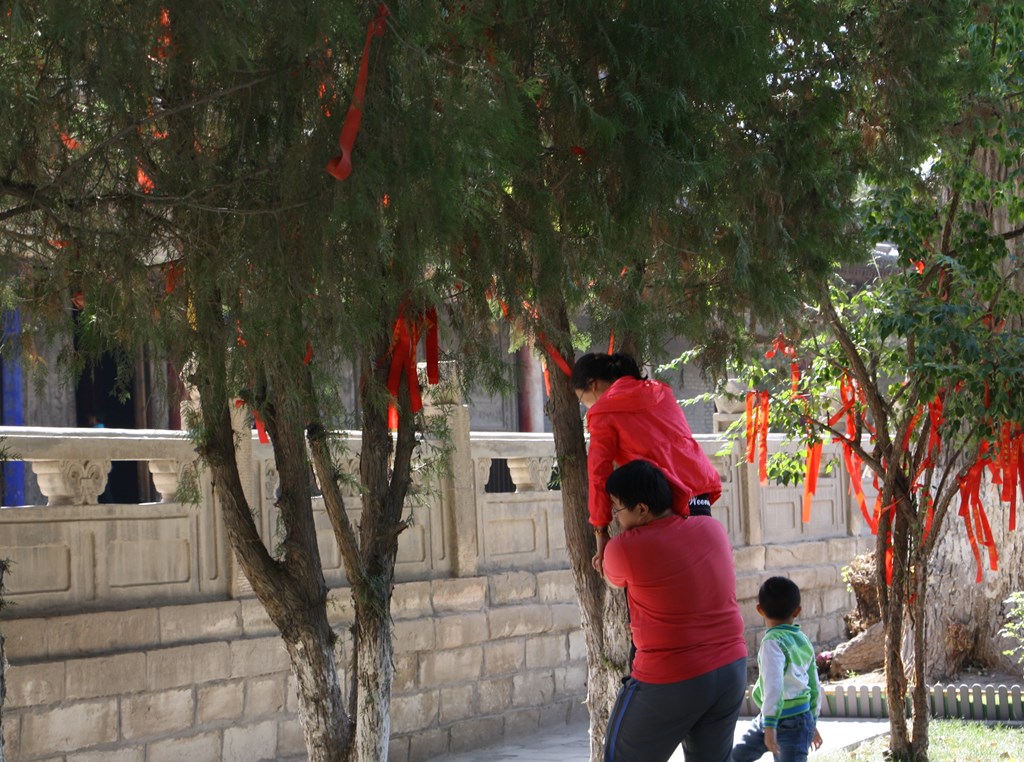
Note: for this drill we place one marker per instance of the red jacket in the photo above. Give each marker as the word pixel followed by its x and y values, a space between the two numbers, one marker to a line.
pixel 641 420
pixel 681 588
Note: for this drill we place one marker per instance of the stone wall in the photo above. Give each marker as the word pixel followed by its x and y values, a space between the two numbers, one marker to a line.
pixel 476 659
pixel 133 637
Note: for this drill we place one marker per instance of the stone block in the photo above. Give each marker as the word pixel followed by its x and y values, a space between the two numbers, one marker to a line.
pixel 843 549
pixel 429 744
pixel 812 629
pixel 250 743
pixel 340 609
pixel 458 702
pixel 831 631
pixel 571 680
pixel 747 586
pixel 187 665
pixel 151 714
pixel 452 666
pixel 837 601
pixel 512 621
pixel 200 621
pixel 201 748
pixel 292 692
pixel 414 635
pixel 411 600
pixel 133 754
pixel 34 685
pixel 477 733
pixel 815 577
pixel 504 656
pixel 512 587
pixel 24 639
pixel 556 586
pixel 792 555
pixel 465 629
pixel 578 711
pixel 264 695
pixel 555 714
pixel 750 616
pixel 462 594
pixel 495 696
pixel 105 676
pixel 103 632
pixel 290 740
pixel 258 656
pixel 522 722
pixel 577 646
pixel 749 558
pixel 68 728
pixel 566 617
pixel 533 688
pixel 414 711
pixel 12 735
pixel 406 672
pixel 398 748
pixel 220 702
pixel 546 651
pixel 256 621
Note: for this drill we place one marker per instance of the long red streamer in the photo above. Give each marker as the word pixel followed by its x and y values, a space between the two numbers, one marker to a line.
pixel 340 167
pixel 811 479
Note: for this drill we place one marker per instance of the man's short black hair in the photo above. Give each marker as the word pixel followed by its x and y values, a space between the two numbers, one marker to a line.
pixel 640 482
pixel 779 597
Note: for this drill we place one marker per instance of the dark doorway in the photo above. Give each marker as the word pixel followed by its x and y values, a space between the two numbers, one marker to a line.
pixel 97 406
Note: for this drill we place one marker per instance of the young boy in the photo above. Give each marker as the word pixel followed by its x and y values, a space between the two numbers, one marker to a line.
pixel 787 683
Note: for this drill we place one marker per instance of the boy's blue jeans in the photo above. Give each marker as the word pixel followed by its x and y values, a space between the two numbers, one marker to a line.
pixel 794 735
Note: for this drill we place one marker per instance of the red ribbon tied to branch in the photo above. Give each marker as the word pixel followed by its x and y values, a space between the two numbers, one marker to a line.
pixel 405 336
pixel 340 167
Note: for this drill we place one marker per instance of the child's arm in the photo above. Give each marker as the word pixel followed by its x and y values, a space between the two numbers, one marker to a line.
pixel 772 663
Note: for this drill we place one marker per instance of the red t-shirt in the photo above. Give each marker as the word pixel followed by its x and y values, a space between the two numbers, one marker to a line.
pixel 681 589
pixel 641 420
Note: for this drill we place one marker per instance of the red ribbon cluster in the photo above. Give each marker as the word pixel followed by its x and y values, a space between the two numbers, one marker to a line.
pixel 405 337
pixel 340 167
pixel 757 431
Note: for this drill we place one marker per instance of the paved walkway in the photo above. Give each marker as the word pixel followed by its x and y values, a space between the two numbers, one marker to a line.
pixel 571 743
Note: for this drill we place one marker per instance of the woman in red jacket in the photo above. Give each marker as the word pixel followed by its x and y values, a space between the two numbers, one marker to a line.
pixel 630 418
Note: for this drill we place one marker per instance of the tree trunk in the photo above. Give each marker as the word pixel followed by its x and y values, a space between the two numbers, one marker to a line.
pixel 374 672
pixel 3 662
pixel 962 617
pixel 605 626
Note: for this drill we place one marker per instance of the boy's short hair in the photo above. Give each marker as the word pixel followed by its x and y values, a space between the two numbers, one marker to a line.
pixel 640 482
pixel 779 597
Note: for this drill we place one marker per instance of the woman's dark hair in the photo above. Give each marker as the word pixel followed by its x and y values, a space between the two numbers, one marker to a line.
pixel 598 366
pixel 640 482
pixel 778 597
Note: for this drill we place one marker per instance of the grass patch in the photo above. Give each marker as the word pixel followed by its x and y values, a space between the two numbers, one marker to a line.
pixel 949 741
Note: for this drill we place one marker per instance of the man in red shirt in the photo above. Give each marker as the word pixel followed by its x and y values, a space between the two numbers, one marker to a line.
pixel 689 672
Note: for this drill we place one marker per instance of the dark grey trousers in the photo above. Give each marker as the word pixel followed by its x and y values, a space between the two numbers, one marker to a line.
pixel 649 720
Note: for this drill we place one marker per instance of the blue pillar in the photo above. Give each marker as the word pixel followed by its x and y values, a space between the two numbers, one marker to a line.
pixel 12 408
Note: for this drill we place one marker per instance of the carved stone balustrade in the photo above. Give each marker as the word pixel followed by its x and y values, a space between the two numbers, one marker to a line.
pixel 71 482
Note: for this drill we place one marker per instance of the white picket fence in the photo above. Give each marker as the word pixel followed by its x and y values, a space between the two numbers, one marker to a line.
pixel 990 703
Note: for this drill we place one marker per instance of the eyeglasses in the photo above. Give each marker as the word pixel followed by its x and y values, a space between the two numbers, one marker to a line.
pixel 617 511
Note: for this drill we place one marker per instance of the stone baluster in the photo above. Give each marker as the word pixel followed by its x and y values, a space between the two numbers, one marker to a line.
pixel 531 474
pixel 167 476
pixel 71 482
